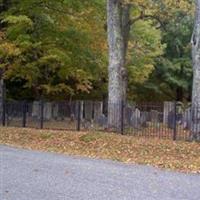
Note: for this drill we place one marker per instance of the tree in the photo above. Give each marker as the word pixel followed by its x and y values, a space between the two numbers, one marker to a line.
pixel 171 77
pixel 196 75
pixel 4 5
pixel 118 16
pixel 53 49
pixel 119 22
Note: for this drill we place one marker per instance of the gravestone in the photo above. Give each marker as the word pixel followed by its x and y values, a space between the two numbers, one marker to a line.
pixel 168 107
pixel 171 119
pixel 128 114
pixel 102 121
pixel 47 111
pixel 160 117
pixel 144 119
pixel 135 119
pixel 55 111
pixel 72 110
pixel 60 111
pixel 36 111
pixel 187 119
pixel 88 108
pixel 98 110
pixel 154 115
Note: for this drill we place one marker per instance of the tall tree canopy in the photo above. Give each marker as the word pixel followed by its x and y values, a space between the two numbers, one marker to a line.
pixel 52 48
pixel 57 49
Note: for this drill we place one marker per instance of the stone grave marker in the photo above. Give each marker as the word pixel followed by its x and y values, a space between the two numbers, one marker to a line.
pixel 135 119
pixel 144 119
pixel 98 110
pixel 187 119
pixel 128 114
pixel 154 115
pixel 168 107
pixel 171 118
pixel 47 111
pixel 102 121
pixel 88 108
pixel 36 111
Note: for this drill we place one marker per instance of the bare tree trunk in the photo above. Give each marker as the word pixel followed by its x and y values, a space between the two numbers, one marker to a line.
pixel 196 75
pixel 118 31
pixel 126 32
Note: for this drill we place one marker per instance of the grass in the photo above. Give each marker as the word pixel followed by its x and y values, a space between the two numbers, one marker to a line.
pixel 180 156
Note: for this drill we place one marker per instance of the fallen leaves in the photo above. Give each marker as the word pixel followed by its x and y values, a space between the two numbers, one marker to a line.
pixel 180 156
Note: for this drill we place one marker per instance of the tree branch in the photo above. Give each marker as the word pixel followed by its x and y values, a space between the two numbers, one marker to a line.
pixel 144 16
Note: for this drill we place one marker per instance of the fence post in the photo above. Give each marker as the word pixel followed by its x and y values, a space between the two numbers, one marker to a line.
pixel 24 114
pixel 79 117
pixel 41 114
pixel 122 117
pixel 175 131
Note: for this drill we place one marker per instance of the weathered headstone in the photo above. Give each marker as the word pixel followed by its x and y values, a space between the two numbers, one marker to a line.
pixel 160 117
pixel 72 110
pixel 168 107
pixel 187 119
pixel 144 119
pixel 128 114
pixel 154 115
pixel 55 111
pixel 102 121
pixel 36 111
pixel 98 110
pixel 47 111
pixel 171 119
pixel 135 119
pixel 174 118
pixel 88 110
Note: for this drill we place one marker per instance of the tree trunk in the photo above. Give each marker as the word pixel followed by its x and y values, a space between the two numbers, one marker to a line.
pixel 196 75
pixel 126 32
pixel 118 31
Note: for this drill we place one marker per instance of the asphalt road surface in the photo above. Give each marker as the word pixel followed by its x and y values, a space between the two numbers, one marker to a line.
pixel 31 175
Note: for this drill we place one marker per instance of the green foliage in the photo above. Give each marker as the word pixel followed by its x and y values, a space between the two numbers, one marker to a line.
pixel 172 77
pixel 145 46
pixel 57 49
pixel 51 53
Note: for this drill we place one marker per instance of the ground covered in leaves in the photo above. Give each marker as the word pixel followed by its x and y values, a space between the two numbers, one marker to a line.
pixel 180 156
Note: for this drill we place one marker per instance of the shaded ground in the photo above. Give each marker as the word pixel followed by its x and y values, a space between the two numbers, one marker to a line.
pixel 153 129
pixel 30 175
pixel 181 156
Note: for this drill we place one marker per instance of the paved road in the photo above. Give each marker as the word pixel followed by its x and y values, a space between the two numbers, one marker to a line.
pixel 30 175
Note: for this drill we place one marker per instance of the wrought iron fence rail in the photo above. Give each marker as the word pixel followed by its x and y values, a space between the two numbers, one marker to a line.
pixel 169 120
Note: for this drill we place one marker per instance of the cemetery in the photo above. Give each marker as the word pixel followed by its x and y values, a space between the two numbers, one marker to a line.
pixel 99 99
pixel 168 120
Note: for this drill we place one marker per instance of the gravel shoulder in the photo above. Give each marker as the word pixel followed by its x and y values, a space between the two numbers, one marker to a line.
pixel 33 175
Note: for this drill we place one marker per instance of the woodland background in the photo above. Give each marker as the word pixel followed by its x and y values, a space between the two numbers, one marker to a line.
pixel 57 49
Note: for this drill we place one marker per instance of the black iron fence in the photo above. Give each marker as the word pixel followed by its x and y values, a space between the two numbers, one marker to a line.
pixel 169 120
